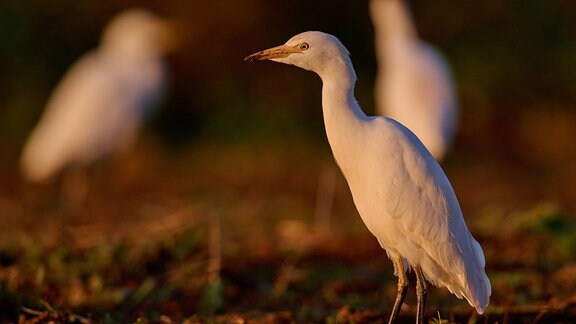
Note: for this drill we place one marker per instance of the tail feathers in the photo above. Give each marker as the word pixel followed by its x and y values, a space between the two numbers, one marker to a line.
pixel 473 283
pixel 481 292
pixel 478 288
pixel 467 279
pixel 482 282
pixel 476 293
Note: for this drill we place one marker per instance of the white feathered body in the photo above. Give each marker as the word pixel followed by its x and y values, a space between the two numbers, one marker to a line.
pixel 406 201
pixel 403 196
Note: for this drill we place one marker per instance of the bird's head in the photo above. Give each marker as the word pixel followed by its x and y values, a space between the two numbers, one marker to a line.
pixel 313 51
pixel 140 32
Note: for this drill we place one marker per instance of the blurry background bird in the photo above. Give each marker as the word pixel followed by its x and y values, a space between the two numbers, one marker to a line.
pixel 101 102
pixel 413 83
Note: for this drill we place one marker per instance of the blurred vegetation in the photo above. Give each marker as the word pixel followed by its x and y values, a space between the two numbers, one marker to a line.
pixel 245 143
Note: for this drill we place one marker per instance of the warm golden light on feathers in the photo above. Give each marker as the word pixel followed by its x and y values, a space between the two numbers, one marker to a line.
pixel 400 191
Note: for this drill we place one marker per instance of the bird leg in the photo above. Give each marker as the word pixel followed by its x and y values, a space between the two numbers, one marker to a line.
pixel 402 288
pixel 421 290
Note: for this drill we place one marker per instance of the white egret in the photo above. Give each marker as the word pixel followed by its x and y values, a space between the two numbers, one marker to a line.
pixel 400 191
pixel 98 107
pixel 413 83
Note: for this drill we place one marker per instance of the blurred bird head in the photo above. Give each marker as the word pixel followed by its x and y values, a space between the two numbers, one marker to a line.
pixel 139 32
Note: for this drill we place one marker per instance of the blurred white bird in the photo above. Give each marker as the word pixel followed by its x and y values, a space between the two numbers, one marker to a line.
pixel 414 83
pixel 399 189
pixel 100 104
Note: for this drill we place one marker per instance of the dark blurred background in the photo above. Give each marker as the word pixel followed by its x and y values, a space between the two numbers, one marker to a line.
pixel 247 140
pixel 514 62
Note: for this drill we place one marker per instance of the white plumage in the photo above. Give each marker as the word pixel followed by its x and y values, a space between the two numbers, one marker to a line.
pixel 413 83
pixel 101 102
pixel 400 191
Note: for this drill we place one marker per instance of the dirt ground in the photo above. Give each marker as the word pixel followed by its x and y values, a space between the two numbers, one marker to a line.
pixel 247 232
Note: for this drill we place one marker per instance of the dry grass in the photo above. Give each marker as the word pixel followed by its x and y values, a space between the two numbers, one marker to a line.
pixel 227 233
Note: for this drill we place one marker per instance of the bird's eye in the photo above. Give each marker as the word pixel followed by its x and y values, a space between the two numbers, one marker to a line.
pixel 304 46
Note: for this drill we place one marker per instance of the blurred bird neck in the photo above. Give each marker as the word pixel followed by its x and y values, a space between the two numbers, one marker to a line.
pixel 393 23
pixel 128 52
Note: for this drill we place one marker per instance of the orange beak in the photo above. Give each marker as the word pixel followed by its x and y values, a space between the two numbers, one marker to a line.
pixel 281 51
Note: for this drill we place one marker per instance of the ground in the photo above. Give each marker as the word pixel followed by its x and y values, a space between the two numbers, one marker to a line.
pixel 234 232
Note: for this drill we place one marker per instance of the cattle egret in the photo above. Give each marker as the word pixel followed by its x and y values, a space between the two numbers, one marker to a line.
pixel 413 83
pixel 101 102
pixel 400 191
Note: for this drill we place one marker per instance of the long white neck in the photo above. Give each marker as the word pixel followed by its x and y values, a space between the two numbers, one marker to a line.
pixel 343 117
pixel 393 25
